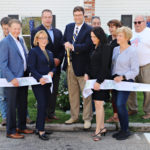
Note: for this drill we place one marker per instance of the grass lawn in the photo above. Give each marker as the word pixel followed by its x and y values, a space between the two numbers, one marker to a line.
pixel 63 116
pixel 134 118
pixel 108 111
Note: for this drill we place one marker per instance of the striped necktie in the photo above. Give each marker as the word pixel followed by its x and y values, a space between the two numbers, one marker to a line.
pixel 75 35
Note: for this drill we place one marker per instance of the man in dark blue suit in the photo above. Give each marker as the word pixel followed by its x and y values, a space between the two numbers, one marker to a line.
pixel 55 45
pixel 78 42
pixel 13 65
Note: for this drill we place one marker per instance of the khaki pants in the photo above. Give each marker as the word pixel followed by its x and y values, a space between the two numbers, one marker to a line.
pixel 132 101
pixel 75 85
pixel 143 77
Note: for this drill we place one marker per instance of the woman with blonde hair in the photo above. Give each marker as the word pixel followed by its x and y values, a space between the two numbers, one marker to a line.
pixel 125 67
pixel 41 62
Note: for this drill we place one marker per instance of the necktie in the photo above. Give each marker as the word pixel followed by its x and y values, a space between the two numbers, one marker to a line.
pixel 75 35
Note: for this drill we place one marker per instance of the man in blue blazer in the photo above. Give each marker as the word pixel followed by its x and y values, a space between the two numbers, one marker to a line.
pixel 3 102
pixel 55 44
pixel 13 65
pixel 78 41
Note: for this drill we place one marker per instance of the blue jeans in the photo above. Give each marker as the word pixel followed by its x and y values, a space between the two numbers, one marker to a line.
pixel 3 102
pixel 121 100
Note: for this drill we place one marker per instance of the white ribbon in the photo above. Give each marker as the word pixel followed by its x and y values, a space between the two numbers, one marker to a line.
pixel 111 84
pixel 26 81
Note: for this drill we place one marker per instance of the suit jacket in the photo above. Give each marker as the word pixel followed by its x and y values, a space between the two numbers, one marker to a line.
pixel 38 64
pixel 99 67
pixel 11 61
pixel 57 47
pixel 82 47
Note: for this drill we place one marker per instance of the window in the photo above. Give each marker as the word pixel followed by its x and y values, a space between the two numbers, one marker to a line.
pixel 26 28
pixel 14 16
pixel 126 20
pixel 28 24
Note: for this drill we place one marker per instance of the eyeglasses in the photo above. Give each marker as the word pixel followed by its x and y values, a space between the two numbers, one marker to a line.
pixel 78 15
pixel 138 22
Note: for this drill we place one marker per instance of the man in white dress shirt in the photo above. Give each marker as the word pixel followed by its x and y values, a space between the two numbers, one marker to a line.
pixel 13 65
pixel 77 39
pixel 141 41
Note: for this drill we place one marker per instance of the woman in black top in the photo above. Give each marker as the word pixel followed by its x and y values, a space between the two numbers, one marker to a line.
pixel 112 42
pixel 99 69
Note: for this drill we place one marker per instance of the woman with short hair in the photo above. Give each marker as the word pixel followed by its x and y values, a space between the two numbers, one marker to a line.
pixel 125 67
pixel 113 25
pixel 41 62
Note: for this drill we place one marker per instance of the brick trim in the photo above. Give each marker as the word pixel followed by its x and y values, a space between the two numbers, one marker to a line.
pixel 89 6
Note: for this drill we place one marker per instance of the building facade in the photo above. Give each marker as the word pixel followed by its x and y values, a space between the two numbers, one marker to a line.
pixel 62 10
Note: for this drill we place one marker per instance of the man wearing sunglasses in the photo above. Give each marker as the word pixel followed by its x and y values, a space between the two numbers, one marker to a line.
pixel 141 41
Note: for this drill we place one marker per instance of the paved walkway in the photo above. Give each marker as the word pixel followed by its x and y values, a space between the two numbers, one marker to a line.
pixel 74 141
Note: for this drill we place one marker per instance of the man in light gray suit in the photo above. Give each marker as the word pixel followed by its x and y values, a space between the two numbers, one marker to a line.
pixel 13 65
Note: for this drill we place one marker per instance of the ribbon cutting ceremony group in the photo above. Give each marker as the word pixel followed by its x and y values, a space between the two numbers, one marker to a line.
pixel 99 67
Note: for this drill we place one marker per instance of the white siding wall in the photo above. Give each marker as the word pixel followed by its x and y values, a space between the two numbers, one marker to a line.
pixel 113 9
pixel 61 8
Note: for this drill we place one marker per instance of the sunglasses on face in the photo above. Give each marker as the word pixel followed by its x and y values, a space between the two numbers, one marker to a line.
pixel 138 22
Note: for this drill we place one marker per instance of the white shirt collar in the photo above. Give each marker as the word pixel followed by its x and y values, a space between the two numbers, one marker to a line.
pixel 79 27
pixel 20 47
pixel 14 37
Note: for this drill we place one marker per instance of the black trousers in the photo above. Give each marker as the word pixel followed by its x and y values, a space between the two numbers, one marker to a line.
pixel 16 99
pixel 52 101
pixel 42 94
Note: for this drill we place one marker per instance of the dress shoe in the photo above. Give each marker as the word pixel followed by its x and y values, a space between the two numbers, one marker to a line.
pixel 3 123
pixel 123 135
pixel 15 136
pixel 115 135
pixel 46 132
pixel 147 116
pixel 25 131
pixel 87 124
pixel 71 121
pixel 132 112
pixel 43 137
pixel 29 121
pixel 53 117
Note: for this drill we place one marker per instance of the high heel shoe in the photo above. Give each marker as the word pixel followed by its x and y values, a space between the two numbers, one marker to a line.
pixel 97 137
pixel 100 132
pixel 103 133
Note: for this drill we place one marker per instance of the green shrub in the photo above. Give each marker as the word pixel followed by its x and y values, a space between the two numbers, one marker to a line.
pixel 63 96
